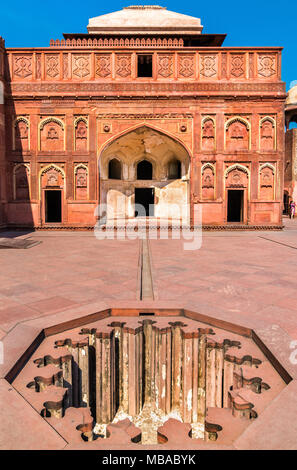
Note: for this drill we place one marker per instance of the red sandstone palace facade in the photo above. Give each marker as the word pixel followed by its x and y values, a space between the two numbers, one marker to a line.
pixel 144 108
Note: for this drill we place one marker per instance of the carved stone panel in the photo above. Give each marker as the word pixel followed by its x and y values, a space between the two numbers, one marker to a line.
pixel 208 182
pixel 22 66
pixel 81 135
pixel 267 66
pixel 81 182
pixel 266 183
pixel 165 65
pixel 123 65
pixel 21 182
pixel 52 67
pixel 208 65
pixel 186 66
pixel 103 66
pixel 21 134
pixel 51 136
pixel 208 134
pixel 52 177
pixel 237 177
pixel 267 134
pixel 237 68
pixel 81 66
pixel 237 135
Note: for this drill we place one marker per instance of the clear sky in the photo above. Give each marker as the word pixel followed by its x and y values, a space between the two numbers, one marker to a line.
pixel 247 23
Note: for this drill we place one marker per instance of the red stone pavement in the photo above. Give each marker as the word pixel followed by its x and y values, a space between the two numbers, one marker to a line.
pixel 248 278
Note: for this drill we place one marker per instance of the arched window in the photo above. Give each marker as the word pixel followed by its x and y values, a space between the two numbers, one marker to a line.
pixel 114 169
pixel 144 170
pixel 174 169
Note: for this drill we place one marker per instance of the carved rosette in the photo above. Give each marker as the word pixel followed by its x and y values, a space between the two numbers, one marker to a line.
pixel 103 66
pixel 123 65
pixel 165 65
pixel 22 66
pixel 186 66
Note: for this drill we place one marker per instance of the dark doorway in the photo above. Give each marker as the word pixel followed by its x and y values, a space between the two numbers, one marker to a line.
pixel 144 170
pixel 114 169
pixel 144 202
pixel 145 65
pixel 53 203
pixel 235 205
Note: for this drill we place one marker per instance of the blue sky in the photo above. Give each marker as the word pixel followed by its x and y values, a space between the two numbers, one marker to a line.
pixel 252 23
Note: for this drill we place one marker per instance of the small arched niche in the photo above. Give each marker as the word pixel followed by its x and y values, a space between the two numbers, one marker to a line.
pixel 174 169
pixel 114 169
pixel 144 170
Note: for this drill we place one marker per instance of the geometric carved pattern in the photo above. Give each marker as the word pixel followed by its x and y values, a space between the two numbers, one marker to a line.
pixel 52 66
pixel 266 65
pixel 123 65
pixel 237 65
pixel 81 66
pixel 165 65
pixel 22 66
pixel 103 66
pixel 186 65
pixel 208 66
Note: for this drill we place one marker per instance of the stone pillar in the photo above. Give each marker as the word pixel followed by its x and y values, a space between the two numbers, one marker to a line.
pixel 105 375
pixel 176 357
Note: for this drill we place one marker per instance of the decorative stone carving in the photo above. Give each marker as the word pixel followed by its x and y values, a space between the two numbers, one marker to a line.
pixel 65 66
pixel 267 182
pixel 81 182
pixel 237 66
pixel 81 66
pixel 38 66
pixel 266 65
pixel 22 66
pixel 237 134
pixel 208 181
pixel 21 134
pixel 208 134
pixel 81 134
pixel 52 66
pixel 52 176
pixel 51 135
pixel 165 65
pixel 21 175
pixel 123 65
pixel 237 176
pixel 208 65
pixel 103 66
pixel 267 134
pixel 186 66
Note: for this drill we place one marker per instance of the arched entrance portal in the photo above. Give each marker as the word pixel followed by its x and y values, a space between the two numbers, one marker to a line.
pixel 155 175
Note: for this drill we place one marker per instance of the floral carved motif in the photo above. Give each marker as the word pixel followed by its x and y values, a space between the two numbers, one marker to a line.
pixel 208 181
pixel 51 135
pixel 22 66
pixel 266 182
pixel 52 177
pixel 266 65
pixel 237 66
pixel 186 66
pixel 208 65
pixel 237 178
pixel 123 67
pixel 165 68
pixel 103 66
pixel 81 134
pixel 81 66
pixel 237 135
pixel 52 66
pixel 81 182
